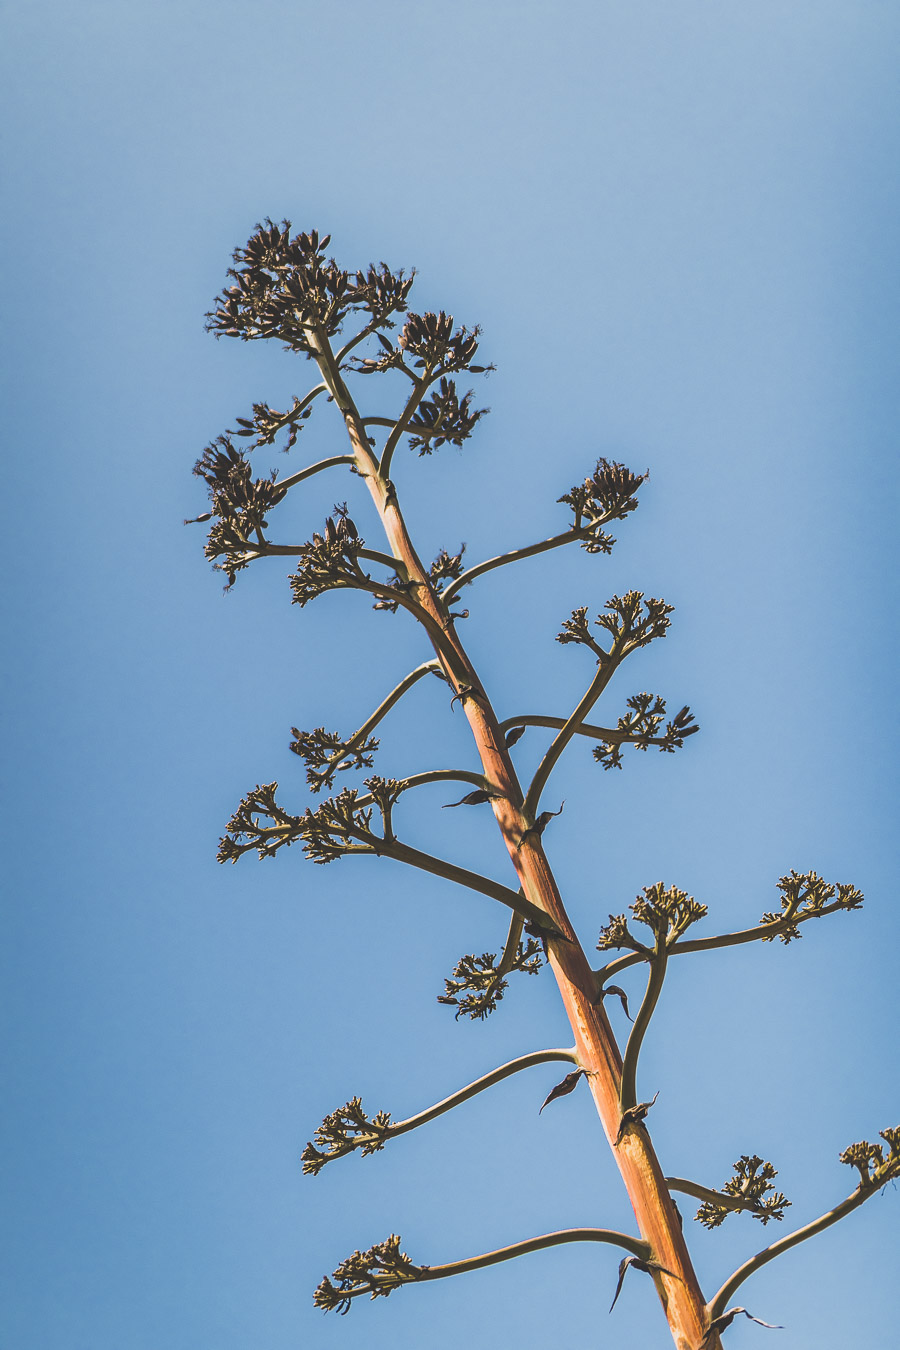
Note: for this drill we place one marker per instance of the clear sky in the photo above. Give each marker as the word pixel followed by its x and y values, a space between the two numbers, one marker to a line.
pixel 676 222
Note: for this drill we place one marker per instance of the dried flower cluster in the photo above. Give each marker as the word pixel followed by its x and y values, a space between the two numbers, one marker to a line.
pixel 609 493
pixel 875 1167
pixel 325 753
pixel 376 1272
pixel 329 561
pixel 667 911
pixel 346 1129
pixel 751 1184
pixel 640 728
pixel 258 823
pixel 285 287
pixel 806 896
pixel 631 621
pixel 443 419
pixel 240 505
pixel 266 423
pixel 477 985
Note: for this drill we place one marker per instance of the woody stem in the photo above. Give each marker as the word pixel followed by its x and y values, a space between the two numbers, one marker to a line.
pixel 595 1043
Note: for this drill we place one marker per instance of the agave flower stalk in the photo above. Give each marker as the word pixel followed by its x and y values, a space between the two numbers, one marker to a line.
pixel 287 289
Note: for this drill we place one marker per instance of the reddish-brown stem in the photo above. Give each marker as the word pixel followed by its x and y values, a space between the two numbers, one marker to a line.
pixel 595 1044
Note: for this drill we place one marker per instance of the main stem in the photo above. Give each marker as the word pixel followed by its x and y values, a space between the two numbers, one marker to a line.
pixel 596 1048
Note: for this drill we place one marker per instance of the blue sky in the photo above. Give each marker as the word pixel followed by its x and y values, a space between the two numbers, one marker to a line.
pixel 676 223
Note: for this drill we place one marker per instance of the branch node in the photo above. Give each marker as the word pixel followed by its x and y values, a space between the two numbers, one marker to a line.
pixel 635 1115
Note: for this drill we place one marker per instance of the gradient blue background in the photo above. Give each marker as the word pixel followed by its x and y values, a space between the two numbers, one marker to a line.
pixel 677 224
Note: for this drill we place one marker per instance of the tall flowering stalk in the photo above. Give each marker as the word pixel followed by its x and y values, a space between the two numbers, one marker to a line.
pixel 352 326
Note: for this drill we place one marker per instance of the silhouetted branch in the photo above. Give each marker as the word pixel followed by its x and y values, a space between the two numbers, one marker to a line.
pixel 267 422
pixel 320 773
pixel 562 739
pixel 628 1090
pixel 875 1171
pixel 784 926
pixel 384 1267
pixel 313 469
pixel 531 551
pixel 514 900
pixel 633 623
pixel 511 945
pixel 478 982
pixel 667 912
pixel 611 735
pixel 420 389
pixel 349 1128
pixel 609 494
pixel 636 1246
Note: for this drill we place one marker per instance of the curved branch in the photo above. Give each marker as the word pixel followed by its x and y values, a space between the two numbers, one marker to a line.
pixel 400 426
pixel 330 369
pixel 434 776
pixel 381 590
pixel 568 730
pixel 385 559
pixel 447 776
pixel 627 1089
pixel 760 933
pixel 265 548
pixel 306 400
pixel 426 668
pixel 510 946
pixel 384 1268
pixel 438 867
pixel 313 468
pixel 388 846
pixel 324 775
pixel 719 1302
pixel 480 1085
pixel 349 1129
pixel 434 630
pixel 477 984
pixel 370 328
pixel 556 541
pixel 613 736
pixel 300 407
pixel 368 466
pixel 636 1246
pixel 437 634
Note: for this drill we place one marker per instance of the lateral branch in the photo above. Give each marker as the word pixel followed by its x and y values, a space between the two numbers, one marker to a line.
pixel 349 1128
pixel 718 1199
pixel 875 1171
pixel 612 735
pixel 781 926
pixel 384 1268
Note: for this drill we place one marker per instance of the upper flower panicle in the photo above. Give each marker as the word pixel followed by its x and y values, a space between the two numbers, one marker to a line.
pixel 286 288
